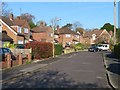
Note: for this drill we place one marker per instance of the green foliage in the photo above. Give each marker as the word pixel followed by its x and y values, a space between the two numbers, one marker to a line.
pixel 9 45
pixel 28 62
pixel 58 49
pixel 69 25
pixel 31 24
pixel 117 50
pixel 79 46
pixel 118 35
pixel 108 27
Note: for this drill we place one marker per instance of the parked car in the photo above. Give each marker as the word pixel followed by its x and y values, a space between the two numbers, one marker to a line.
pixel 93 48
pixel 103 47
pixel 20 46
pixel 4 51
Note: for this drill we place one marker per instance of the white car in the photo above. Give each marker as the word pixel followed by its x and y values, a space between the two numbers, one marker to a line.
pixel 103 47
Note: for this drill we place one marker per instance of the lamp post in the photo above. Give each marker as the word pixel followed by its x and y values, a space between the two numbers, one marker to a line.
pixel 54 25
pixel 114 22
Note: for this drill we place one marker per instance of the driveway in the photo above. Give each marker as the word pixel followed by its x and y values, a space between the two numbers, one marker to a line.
pixel 77 70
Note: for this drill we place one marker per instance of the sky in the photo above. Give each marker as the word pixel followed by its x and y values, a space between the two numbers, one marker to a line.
pixel 119 15
pixel 89 14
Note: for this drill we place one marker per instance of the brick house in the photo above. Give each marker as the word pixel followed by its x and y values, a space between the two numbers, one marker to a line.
pixel 66 36
pixel 42 33
pixel 96 36
pixel 17 29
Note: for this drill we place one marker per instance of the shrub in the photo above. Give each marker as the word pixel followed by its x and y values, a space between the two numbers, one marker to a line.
pixel 9 45
pixel 117 50
pixel 79 46
pixel 40 49
pixel 58 49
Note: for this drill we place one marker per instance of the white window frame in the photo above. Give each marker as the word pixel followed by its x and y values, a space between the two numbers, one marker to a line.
pixel 19 29
pixel 56 36
pixel 68 35
pixel 25 30
pixel 77 36
pixel 20 42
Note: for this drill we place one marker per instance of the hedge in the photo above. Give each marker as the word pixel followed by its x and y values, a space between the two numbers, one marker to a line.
pixel 58 49
pixel 40 49
pixel 117 50
pixel 79 46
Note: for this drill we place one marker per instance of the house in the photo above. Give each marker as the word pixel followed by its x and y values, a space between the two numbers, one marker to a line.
pixel 96 36
pixel 66 36
pixel 42 33
pixel 16 28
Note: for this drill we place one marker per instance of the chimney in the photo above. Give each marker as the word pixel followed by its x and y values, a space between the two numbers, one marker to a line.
pixel 42 23
pixel 18 17
pixel 11 17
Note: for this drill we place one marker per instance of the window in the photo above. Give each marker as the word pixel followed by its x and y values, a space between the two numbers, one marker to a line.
pixel 20 42
pixel 25 30
pixel 19 29
pixel 56 36
pixel 77 36
pixel 68 35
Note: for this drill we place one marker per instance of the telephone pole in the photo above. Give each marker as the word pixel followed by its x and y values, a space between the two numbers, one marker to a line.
pixel 114 22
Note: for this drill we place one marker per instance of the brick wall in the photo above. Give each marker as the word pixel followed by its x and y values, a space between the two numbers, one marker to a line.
pixel 9 33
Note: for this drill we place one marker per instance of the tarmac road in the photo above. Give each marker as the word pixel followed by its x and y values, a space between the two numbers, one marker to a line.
pixel 77 70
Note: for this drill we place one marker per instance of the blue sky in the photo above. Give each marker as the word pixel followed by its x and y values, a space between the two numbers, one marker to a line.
pixel 89 14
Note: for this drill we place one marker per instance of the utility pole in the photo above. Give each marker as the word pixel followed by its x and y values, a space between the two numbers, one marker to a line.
pixel 114 22
pixel 54 25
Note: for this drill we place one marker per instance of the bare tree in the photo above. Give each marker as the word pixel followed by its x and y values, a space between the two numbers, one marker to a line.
pixel 29 17
pixel 4 9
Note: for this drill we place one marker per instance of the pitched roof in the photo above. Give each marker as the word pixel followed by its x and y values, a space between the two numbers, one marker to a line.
pixel 65 30
pixel 19 22
pixel 90 33
pixel 40 29
pixel 6 20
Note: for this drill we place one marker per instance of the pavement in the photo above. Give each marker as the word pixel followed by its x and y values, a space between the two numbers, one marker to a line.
pixel 76 70
pixel 112 65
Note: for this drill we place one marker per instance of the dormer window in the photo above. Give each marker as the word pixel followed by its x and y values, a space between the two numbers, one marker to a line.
pixel 25 30
pixel 19 29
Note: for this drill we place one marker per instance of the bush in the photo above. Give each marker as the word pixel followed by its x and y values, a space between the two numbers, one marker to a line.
pixel 58 49
pixel 40 49
pixel 79 46
pixel 117 50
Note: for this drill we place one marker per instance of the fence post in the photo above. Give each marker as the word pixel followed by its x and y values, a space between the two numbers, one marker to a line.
pixel 20 59
pixel 8 60
pixel 29 57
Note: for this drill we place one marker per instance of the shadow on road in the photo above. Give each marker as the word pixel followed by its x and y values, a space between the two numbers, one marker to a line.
pixel 47 79
pixel 114 68
pixel 113 57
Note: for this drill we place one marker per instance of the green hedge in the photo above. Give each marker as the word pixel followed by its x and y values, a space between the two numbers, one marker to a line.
pixel 79 46
pixel 117 50
pixel 58 49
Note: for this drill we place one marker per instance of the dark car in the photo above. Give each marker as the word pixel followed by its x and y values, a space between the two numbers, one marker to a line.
pixel 20 46
pixel 93 48
pixel 4 51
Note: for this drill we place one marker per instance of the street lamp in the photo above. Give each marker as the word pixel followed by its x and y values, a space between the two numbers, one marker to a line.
pixel 114 22
pixel 54 25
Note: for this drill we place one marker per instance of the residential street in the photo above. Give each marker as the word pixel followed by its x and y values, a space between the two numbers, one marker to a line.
pixel 76 70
